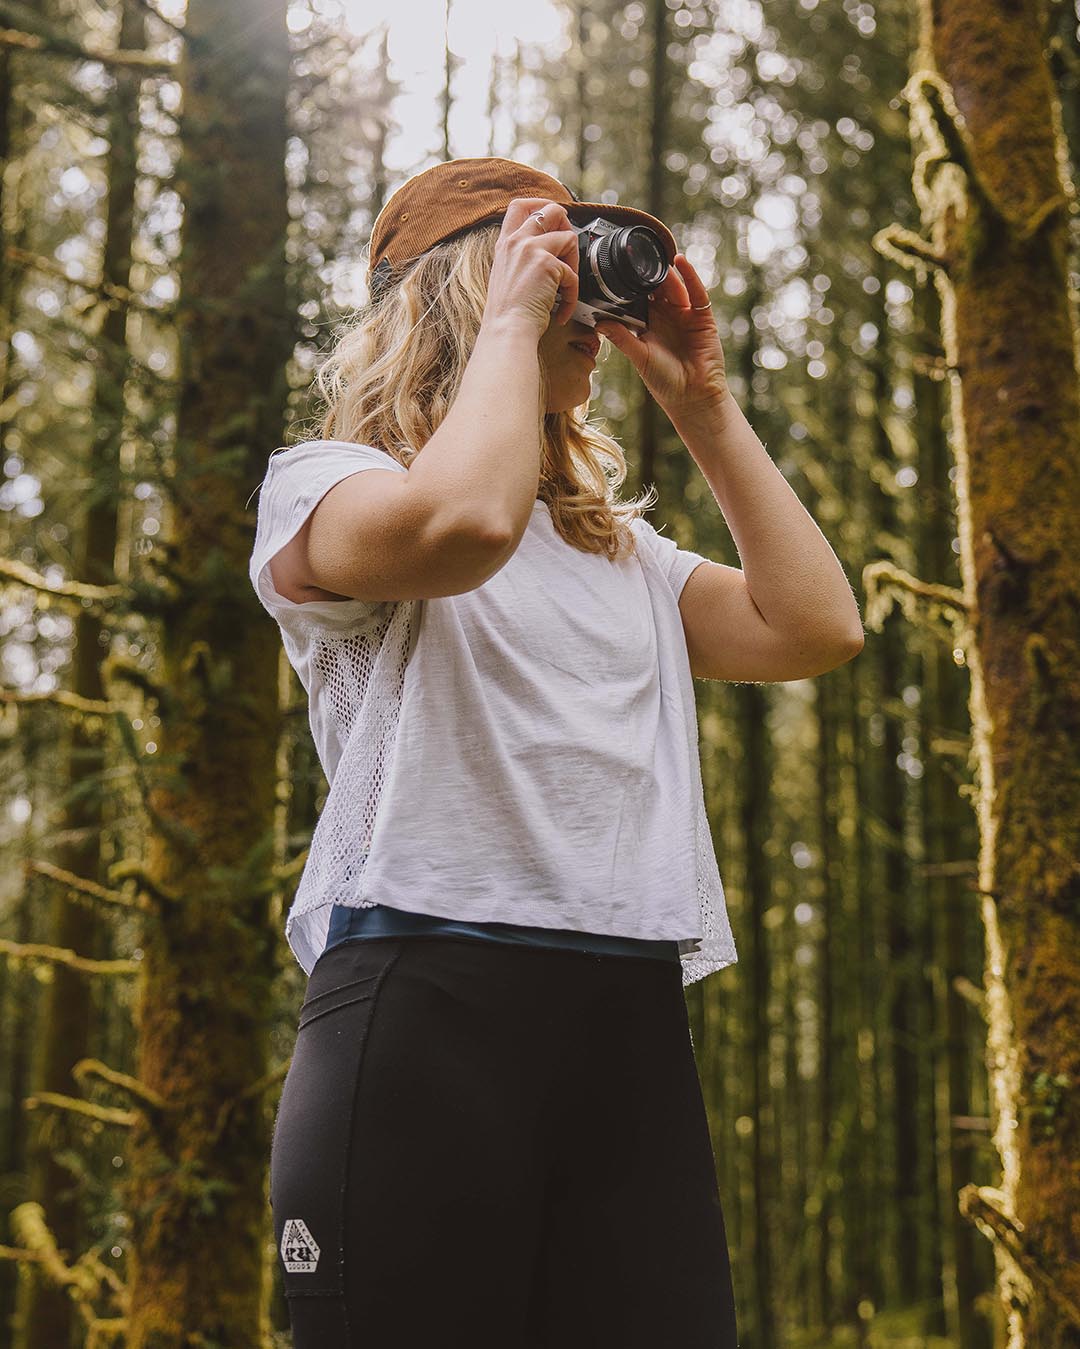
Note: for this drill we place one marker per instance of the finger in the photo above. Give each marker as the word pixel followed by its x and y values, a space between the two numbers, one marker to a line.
pixel 527 205
pixel 673 290
pixel 569 288
pixel 563 247
pixel 695 287
pixel 520 209
pixel 620 336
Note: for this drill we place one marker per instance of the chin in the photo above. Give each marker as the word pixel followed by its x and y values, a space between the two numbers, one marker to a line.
pixel 570 402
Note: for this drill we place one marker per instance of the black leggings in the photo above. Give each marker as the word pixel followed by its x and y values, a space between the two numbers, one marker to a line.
pixel 496 1146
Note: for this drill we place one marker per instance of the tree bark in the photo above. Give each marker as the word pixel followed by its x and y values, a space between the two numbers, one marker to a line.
pixel 752 702
pixel 197 1187
pixel 648 412
pixel 950 838
pixel 47 1313
pixel 991 190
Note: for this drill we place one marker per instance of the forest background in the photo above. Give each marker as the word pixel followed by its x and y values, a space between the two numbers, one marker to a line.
pixel 880 197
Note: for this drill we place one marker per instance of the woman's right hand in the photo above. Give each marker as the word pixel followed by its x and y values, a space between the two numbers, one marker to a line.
pixel 535 262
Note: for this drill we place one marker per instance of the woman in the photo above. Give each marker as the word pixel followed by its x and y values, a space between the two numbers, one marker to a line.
pixel 492 1131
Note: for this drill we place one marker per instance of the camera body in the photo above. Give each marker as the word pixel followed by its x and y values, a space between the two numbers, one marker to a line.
pixel 619 266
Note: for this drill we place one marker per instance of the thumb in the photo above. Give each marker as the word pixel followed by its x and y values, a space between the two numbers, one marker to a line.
pixel 624 341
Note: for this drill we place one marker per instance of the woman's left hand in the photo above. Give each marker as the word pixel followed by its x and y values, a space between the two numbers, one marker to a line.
pixel 679 356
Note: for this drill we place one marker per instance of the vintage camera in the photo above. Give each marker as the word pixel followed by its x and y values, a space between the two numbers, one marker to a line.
pixel 619 266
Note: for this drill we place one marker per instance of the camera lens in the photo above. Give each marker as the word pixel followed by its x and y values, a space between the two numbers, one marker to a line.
pixel 644 254
pixel 630 261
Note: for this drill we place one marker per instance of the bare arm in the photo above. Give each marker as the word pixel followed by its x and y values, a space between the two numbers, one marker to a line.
pixel 451 521
pixel 789 613
pixel 459 513
pixel 481 467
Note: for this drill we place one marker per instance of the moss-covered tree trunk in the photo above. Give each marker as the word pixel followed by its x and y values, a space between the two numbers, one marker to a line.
pixel 949 829
pixel 991 184
pixel 47 1312
pixel 654 202
pixel 198 1158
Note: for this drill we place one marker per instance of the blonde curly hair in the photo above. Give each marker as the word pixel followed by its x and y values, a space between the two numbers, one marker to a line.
pixel 396 366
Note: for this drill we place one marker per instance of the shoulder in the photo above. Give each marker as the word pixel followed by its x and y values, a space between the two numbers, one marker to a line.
pixel 308 453
pixel 645 536
pixel 303 472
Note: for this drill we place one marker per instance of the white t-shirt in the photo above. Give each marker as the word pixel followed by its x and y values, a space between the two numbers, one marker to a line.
pixel 525 752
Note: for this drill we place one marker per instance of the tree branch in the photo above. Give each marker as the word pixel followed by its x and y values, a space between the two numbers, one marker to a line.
pixel 76 590
pixel 52 43
pixel 117 667
pixel 79 885
pixel 919 600
pixel 28 1225
pixel 957 867
pixel 105 1273
pixel 130 870
pixel 252 1089
pixel 984 1206
pixel 18 1253
pixel 139 1091
pixel 971 993
pixel 909 249
pixel 109 291
pixel 59 955
pixel 74 702
pixel 83 1279
pixel 105 1331
pixel 292 868
pixel 106 1114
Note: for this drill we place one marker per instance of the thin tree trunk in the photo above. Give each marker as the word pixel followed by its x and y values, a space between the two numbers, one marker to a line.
pixel 198 1161
pixel 856 688
pixel 950 838
pixel 648 414
pixel 383 99
pixel 47 1314
pixel 826 1106
pixel 752 703
pixel 450 62
pixel 580 55
pixel 16 981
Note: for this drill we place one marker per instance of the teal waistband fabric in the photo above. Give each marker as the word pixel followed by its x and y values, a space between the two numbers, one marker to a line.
pixel 380 920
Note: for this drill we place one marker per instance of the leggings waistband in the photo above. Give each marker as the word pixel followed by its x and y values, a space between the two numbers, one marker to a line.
pixel 379 920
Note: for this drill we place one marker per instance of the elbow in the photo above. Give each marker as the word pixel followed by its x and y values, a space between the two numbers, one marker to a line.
pixel 502 542
pixel 848 646
pixel 832 652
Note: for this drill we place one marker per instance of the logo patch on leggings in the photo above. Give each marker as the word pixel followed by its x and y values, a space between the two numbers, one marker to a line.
pixel 298 1248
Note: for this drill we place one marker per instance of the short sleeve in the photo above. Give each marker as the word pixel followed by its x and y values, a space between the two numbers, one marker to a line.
pixel 676 563
pixel 297 478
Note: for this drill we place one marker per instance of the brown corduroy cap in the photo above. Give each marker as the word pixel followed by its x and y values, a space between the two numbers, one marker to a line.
pixel 450 197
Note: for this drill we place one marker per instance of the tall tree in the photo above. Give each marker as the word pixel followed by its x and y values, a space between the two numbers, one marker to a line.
pixel 200 1146
pixel 654 203
pixel 948 817
pixel 16 1005
pixel 47 1313
pixel 451 62
pixel 995 207
pixel 753 701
